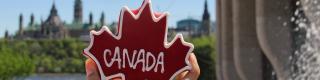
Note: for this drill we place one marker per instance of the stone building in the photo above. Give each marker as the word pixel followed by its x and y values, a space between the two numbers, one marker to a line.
pixel 194 28
pixel 189 27
pixel 55 28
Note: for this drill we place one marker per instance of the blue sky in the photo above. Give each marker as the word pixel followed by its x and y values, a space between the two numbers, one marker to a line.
pixel 178 9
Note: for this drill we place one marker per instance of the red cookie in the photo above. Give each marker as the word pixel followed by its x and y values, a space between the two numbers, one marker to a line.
pixel 140 49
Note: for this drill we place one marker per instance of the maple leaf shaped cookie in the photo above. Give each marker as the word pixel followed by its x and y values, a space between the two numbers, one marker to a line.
pixel 140 49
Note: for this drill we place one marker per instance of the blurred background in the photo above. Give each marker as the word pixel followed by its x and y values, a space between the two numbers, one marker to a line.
pixel 44 39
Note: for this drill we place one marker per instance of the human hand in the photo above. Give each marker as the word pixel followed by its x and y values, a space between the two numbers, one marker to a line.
pixel 92 72
pixel 194 73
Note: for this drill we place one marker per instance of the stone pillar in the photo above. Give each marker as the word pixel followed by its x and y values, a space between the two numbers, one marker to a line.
pixel 227 58
pixel 249 29
pixel 219 41
pixel 274 33
pixel 247 52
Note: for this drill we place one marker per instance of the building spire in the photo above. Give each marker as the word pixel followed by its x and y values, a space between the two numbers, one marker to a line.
pixel 53 9
pixel 42 30
pixel 102 19
pixel 31 20
pixel 54 4
pixel 20 25
pixel 6 34
pixel 77 11
pixel 206 23
pixel 90 18
pixel 206 15
pixel 41 20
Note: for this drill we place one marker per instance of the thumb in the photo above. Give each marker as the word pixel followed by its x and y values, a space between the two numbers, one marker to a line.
pixel 194 73
pixel 91 70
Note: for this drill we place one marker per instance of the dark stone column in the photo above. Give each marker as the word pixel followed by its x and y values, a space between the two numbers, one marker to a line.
pixel 219 41
pixel 227 58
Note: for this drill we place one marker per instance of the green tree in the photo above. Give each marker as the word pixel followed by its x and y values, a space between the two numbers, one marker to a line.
pixel 24 57
pixel 13 63
pixel 205 52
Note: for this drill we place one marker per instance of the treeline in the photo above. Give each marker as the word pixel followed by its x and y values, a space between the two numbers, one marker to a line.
pixel 24 57
pixel 204 49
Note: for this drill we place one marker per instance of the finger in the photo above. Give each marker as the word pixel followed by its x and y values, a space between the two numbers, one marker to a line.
pixel 181 75
pixel 91 70
pixel 194 73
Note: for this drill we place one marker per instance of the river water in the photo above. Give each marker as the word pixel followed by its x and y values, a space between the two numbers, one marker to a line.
pixel 48 76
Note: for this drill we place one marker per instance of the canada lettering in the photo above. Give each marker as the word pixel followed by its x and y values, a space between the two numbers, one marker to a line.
pixel 120 58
